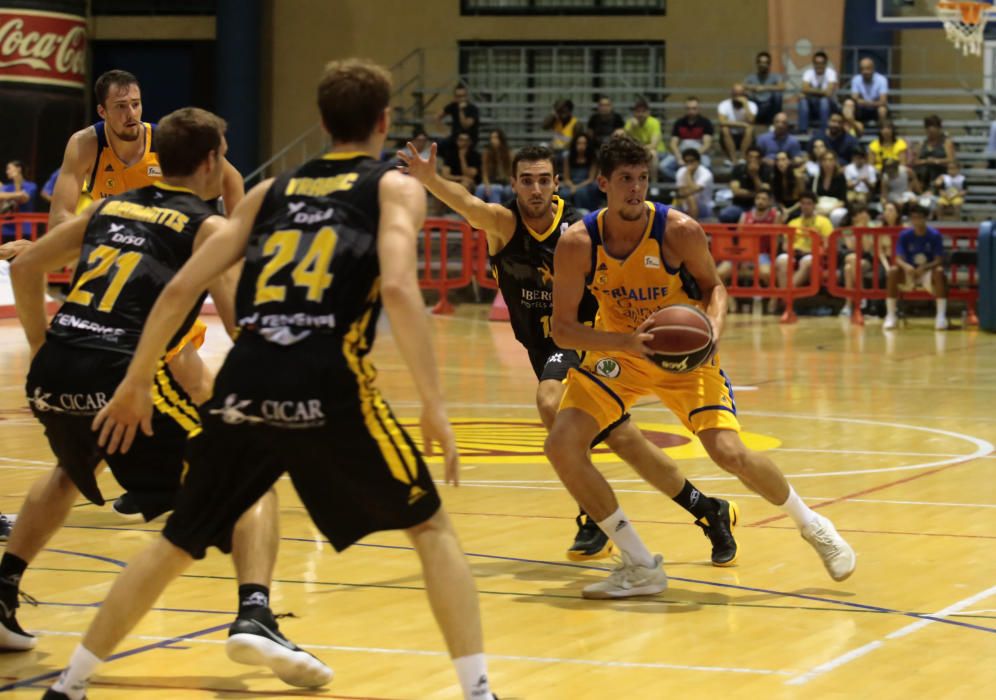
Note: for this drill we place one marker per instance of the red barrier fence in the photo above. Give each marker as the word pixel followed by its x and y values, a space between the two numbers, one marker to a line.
pixel 14 227
pixel 748 261
pixel 878 252
pixel 436 264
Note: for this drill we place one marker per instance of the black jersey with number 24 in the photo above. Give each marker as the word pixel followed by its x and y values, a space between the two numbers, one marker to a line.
pixel 314 224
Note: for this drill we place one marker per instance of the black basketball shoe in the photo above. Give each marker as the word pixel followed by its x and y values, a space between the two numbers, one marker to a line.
pixel 126 506
pixel 56 695
pixel 590 542
pixel 254 639
pixel 5 528
pixel 719 530
pixel 12 635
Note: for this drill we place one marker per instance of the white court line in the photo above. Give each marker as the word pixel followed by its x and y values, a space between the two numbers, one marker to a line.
pixel 502 657
pixel 847 657
pixel 21 459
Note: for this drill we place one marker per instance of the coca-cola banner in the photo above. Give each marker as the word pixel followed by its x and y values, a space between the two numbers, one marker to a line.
pixel 42 47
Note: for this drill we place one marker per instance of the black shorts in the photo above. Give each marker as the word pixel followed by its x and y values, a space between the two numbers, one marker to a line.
pixel 551 362
pixel 315 415
pixel 68 385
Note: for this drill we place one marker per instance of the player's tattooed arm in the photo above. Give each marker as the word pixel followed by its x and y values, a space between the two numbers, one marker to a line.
pixel 497 222
pixel 687 241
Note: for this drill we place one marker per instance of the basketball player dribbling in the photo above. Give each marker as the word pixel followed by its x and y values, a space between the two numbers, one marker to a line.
pixel 325 246
pixel 522 236
pixel 662 257
pixel 128 247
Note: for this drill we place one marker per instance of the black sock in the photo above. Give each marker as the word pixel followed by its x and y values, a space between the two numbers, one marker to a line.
pixel 694 501
pixel 581 513
pixel 12 567
pixel 252 595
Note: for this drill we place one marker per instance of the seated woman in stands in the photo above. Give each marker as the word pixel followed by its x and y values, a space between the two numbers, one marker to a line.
pixel 496 170
pixel 787 184
pixel 578 173
pixel 888 146
pixel 830 188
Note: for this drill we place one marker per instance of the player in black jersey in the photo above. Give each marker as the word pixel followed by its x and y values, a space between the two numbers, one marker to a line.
pixel 324 246
pixel 522 236
pixel 132 245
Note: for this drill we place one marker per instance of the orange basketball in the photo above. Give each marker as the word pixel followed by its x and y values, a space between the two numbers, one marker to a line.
pixel 682 338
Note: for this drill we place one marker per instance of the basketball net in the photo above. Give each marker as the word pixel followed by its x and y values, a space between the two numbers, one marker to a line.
pixel 964 23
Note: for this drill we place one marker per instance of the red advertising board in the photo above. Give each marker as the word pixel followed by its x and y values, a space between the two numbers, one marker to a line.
pixel 42 48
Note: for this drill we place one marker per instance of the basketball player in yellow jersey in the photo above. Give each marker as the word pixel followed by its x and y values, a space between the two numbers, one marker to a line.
pixel 114 156
pixel 638 257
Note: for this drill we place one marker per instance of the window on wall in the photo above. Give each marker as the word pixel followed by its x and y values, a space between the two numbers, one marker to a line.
pixel 516 84
pixel 563 7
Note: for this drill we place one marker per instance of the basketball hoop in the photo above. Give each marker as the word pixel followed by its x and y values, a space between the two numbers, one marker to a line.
pixel 964 23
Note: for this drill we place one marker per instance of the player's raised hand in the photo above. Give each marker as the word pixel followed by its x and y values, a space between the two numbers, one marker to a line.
pixel 129 408
pixel 436 428
pixel 415 165
pixel 12 249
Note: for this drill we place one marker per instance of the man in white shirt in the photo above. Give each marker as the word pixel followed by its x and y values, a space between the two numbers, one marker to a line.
pixel 861 176
pixel 819 83
pixel 694 194
pixel 736 123
pixel 870 91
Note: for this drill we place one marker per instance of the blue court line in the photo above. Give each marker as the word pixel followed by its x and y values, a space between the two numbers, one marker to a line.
pixel 116 562
pixel 120 655
pixel 748 589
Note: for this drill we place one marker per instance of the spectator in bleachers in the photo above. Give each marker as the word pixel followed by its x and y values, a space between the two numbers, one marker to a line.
pixel 736 123
pixel 817 147
pixel 463 115
pixel 690 131
pixel 496 169
pixel 787 183
pixel 461 162
pixel 763 212
pixel 887 145
pixel 847 257
pixel 18 195
pixel 830 188
pixel 49 187
pixel 861 177
pixel 819 85
pixel 765 89
pixel 746 180
pixel 838 140
pixel 891 215
pixel 950 192
pixel 802 246
pixel 694 183
pixel 578 172
pixel 919 264
pixel 603 122
pixel 870 90
pixel 562 122
pixel 779 139
pixel 420 139
pixel 848 112
pixel 935 152
pixel 646 129
pixel 899 184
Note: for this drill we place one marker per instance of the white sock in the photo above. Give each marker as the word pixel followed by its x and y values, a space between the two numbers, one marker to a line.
pixel 473 674
pixel 890 306
pixel 942 308
pixel 74 679
pixel 797 510
pixel 619 529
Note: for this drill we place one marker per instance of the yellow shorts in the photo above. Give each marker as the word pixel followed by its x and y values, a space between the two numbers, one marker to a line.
pixel 195 335
pixel 608 384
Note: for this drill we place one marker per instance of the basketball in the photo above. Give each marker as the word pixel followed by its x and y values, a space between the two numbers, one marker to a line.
pixel 682 338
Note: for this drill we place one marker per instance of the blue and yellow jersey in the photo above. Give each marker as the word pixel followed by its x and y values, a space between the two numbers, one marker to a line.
pixel 109 176
pixel 630 289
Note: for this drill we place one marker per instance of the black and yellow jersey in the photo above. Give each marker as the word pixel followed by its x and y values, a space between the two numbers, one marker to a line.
pixel 311 264
pixel 524 270
pixel 133 245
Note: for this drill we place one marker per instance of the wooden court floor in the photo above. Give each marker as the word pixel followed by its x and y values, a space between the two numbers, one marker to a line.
pixel 888 435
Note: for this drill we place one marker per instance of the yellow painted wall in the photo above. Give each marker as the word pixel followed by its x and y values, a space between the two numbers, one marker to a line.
pixel 718 37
